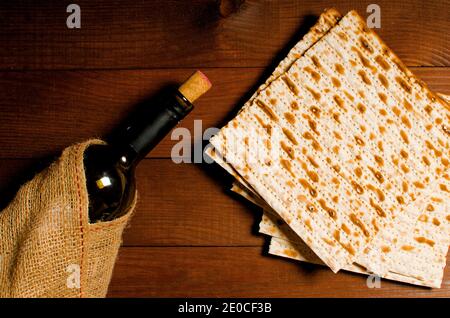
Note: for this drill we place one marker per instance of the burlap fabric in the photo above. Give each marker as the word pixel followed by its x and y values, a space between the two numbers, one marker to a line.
pixel 48 247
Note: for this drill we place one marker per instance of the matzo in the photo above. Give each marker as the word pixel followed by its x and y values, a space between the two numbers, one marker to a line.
pixel 344 85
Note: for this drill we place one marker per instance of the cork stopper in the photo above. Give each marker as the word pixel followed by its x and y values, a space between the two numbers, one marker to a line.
pixel 195 86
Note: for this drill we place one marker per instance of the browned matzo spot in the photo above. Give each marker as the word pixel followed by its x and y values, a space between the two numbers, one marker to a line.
pixel 337 135
pixel 430 146
pixel 311 208
pixel 343 36
pixel 339 101
pixel 290 136
pixel 315 95
pixel 443 187
pixel 287 165
pixel 382 62
pixel 377 208
pixel 349 96
pixel 436 222
pixel 375 226
pixel 407 105
pixel 267 110
pixel 273 101
pixel 365 45
pixel 290 152
pixel 315 111
pixel 290 253
pixel 385 249
pixel 290 118
pixel 359 224
pixel 290 184
pixel 336 118
pixel 424 240
pixel 382 97
pixel 383 80
pixel 358 188
pixel 313 125
pixel 383 112
pixel 329 242
pixel 305 184
pixel 404 136
pixel 423 218
pixel 361 108
pixel 379 160
pixel 428 109
pixel 294 105
pixel 400 199
pixel 336 149
pixel 377 174
pixel 426 160
pixel 404 154
pixel 312 161
pixel 358 172
pixel 404 168
pixel 359 141
pixel 361 57
pixel 308 224
pixel 446 129
pixel 380 145
pixel 407 248
pixel 316 62
pixel 379 193
pixel 314 74
pixel 406 121
pixel 349 248
pixel 332 213
pixel 419 185
pixel 337 235
pixel 403 84
pixel 336 82
pixel 404 186
pixel 339 68
pixel 345 229
pixel 291 85
pixel 364 77
pixel 396 110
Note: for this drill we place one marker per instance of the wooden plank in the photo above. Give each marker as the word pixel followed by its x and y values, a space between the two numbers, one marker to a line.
pixel 241 272
pixel 149 34
pixel 42 112
pixel 179 204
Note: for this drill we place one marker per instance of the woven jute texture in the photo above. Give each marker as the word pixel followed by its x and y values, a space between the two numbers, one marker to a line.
pixel 48 248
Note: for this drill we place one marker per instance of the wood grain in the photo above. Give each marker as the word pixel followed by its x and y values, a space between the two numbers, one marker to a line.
pixel 45 111
pixel 155 34
pixel 240 272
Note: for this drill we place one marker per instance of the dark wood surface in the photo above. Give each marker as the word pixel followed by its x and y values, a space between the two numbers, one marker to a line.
pixel 190 235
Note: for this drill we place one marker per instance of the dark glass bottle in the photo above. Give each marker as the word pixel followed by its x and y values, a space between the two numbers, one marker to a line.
pixel 110 168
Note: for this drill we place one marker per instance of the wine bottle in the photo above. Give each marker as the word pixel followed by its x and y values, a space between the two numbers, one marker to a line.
pixel 110 168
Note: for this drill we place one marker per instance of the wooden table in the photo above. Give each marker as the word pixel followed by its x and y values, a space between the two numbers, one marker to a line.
pixel 190 236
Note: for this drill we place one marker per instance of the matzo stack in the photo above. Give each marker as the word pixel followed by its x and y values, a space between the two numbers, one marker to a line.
pixel 361 91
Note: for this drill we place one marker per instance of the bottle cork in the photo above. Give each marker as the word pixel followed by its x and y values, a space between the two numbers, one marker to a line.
pixel 195 86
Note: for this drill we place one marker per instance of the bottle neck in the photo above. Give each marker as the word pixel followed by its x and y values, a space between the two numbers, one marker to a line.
pixel 145 130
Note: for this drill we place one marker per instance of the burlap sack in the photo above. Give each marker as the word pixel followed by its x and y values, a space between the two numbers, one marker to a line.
pixel 48 248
